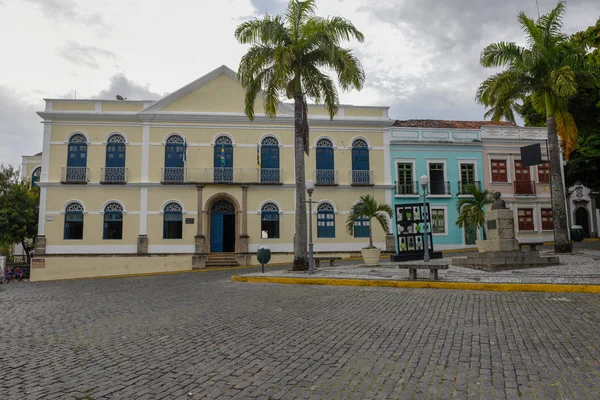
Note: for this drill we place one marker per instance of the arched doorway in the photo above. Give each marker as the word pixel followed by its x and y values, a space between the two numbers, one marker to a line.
pixel 222 227
pixel 581 218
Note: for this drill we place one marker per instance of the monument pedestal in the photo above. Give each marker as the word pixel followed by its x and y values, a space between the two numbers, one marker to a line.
pixel 500 251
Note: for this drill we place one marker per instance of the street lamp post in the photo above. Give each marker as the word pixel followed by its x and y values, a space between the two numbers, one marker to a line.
pixel 424 186
pixel 310 187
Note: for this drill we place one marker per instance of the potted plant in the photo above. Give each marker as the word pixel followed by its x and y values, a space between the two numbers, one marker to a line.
pixel 369 208
pixel 471 210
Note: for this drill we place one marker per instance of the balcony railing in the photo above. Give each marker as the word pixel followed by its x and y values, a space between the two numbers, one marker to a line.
pixel 463 186
pixel 361 178
pixel 114 175
pixel 410 189
pixel 325 177
pixel 439 188
pixel 269 176
pixel 77 175
pixel 525 187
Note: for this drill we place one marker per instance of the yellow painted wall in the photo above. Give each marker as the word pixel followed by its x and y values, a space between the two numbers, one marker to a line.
pixel 220 95
pixel 33 162
pixel 96 134
pixel 85 267
pixel 363 112
pixel 123 106
pixel 73 105
pixel 93 197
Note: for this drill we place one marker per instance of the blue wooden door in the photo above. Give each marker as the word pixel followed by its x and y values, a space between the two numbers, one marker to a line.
pixel 77 155
pixel 216 233
pixel 115 162
pixel 360 166
pixel 174 162
pixel 325 163
pixel 223 163
pixel 269 164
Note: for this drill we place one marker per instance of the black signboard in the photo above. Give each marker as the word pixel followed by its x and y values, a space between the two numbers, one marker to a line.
pixel 410 227
pixel 531 155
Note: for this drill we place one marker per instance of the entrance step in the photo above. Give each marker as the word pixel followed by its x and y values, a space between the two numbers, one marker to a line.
pixel 222 260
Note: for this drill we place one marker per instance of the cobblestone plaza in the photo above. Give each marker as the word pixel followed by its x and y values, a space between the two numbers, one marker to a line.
pixel 199 335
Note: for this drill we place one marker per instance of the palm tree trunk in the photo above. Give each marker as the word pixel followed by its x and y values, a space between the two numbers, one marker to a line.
pixel 559 215
pixel 370 236
pixel 300 241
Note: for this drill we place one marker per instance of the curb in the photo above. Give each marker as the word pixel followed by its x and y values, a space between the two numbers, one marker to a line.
pixel 494 287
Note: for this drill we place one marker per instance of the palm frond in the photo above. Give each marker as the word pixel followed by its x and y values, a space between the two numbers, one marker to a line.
pixel 566 128
pixel 269 31
pixel 563 82
pixel 298 12
pixel 501 54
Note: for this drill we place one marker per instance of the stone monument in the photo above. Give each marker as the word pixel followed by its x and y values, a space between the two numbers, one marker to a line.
pixel 501 251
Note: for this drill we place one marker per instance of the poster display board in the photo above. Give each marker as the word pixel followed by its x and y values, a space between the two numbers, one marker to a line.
pixel 410 228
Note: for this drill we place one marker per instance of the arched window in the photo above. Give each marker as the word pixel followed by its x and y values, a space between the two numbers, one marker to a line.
pixel 325 174
pixel 77 160
pixel 114 171
pixel 113 221
pixel 361 175
pixel 269 160
pixel 269 225
pixel 73 221
pixel 325 221
pixel 174 159
pixel 173 221
pixel 35 177
pixel 223 171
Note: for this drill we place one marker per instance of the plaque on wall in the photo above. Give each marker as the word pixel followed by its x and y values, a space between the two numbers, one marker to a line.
pixel 189 221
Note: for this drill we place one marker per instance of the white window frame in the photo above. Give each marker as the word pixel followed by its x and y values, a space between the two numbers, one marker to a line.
pixel 443 161
pixel 533 209
pixel 445 209
pixel 412 161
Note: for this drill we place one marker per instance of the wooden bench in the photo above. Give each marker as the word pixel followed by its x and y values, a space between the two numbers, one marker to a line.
pixel 532 245
pixel 318 260
pixel 433 270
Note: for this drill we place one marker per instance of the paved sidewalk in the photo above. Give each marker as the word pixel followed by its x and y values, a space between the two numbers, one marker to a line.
pixel 581 267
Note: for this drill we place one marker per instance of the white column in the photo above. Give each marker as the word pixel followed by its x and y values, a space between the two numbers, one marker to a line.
pixel 387 138
pixel 46 151
pixel 145 151
pixel 42 212
pixel 143 211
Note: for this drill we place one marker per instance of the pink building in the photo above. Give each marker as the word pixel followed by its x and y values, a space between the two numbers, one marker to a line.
pixel 526 190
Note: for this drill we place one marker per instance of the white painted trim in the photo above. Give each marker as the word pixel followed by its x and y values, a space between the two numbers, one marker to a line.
pixel 87 139
pixel 314 146
pixel 174 248
pixel 113 201
pixel 266 135
pixel 359 137
pixel 66 203
pixel 98 106
pixel 145 152
pixel 412 161
pixel 42 212
pixel 46 152
pixel 114 133
pixel 174 133
pixel 274 247
pixel 48 106
pixel 218 135
pixel 144 211
pixel 270 201
pixel 164 204
pixel 472 161
pixel 91 249
pixel 508 168
pixel 335 210
pixel 429 161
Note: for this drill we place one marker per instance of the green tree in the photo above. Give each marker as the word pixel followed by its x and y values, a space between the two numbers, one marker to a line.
pixel 287 57
pixel 19 208
pixel 370 208
pixel 591 39
pixel 471 210
pixel 547 70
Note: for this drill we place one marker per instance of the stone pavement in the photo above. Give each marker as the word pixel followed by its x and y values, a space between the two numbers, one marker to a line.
pixel 581 267
pixel 199 335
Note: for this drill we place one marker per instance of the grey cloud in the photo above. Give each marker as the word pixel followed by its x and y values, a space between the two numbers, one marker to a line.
pixel 20 128
pixel 273 7
pixel 451 34
pixel 83 55
pixel 120 84
pixel 67 10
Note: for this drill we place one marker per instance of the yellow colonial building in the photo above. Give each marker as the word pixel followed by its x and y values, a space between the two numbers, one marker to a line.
pixel 189 181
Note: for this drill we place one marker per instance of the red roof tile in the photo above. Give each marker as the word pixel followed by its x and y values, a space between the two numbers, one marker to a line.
pixel 440 123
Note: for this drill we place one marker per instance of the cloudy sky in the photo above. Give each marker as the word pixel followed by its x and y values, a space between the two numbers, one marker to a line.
pixel 420 56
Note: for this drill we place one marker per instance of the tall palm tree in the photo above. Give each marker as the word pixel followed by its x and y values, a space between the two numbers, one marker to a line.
pixel 370 208
pixel 548 69
pixel 287 57
pixel 471 209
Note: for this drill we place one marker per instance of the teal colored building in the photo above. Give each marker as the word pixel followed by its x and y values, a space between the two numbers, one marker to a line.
pixel 450 154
